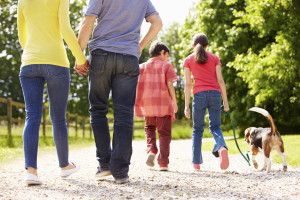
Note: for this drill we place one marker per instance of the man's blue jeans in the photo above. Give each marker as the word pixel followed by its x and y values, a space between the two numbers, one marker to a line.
pixel 117 73
pixel 33 78
pixel 212 101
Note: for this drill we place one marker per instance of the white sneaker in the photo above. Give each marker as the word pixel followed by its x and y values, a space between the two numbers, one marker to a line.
pixel 150 159
pixel 32 179
pixel 67 172
pixel 122 181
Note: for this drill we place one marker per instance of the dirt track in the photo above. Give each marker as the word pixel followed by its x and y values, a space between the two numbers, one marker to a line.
pixel 238 182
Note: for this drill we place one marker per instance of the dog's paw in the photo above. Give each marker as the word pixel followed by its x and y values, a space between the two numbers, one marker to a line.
pixel 284 168
pixel 262 169
pixel 255 165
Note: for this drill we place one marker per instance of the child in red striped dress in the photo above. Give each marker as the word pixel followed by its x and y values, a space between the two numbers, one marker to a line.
pixel 156 101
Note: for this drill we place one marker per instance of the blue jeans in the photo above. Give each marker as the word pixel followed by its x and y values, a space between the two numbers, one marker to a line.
pixel 212 101
pixel 33 78
pixel 116 73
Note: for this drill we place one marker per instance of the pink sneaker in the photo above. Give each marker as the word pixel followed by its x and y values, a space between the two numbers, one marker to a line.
pixel 224 161
pixel 196 167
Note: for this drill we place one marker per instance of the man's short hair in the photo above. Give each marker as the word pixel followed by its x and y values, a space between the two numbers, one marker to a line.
pixel 156 47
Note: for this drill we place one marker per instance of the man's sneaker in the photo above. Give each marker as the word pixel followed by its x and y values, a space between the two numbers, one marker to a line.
pixel 102 173
pixel 121 180
pixel 196 167
pixel 163 167
pixel 150 159
pixel 224 161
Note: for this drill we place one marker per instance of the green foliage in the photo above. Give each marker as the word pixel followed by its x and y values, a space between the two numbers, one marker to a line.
pixel 170 37
pixel 258 45
pixel 78 98
pixel 10 55
pixel 10 59
pixel 272 71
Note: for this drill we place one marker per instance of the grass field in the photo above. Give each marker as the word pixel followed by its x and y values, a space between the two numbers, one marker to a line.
pixel 291 145
pixel 12 148
pixel 9 149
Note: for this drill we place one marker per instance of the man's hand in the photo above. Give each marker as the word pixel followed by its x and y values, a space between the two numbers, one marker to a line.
pixel 82 69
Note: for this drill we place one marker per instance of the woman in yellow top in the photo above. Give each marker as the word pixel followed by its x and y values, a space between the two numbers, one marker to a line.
pixel 42 26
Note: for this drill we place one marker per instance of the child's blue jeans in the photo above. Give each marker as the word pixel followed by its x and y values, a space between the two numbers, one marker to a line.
pixel 210 100
pixel 33 78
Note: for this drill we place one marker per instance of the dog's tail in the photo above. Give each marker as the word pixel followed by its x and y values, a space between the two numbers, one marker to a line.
pixel 268 116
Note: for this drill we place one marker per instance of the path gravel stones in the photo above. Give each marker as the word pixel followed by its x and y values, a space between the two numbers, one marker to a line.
pixel 238 182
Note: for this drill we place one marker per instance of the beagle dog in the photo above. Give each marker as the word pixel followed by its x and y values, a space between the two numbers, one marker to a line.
pixel 264 140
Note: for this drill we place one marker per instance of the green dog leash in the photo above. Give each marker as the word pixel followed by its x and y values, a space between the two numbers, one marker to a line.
pixel 232 123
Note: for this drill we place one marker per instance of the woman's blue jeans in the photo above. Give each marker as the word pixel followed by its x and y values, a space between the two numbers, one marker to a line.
pixel 210 100
pixel 33 78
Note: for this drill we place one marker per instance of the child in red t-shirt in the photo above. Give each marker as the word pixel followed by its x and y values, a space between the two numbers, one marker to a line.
pixel 156 101
pixel 208 88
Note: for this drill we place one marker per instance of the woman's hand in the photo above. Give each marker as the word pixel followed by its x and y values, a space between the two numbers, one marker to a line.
pixel 82 69
pixel 187 112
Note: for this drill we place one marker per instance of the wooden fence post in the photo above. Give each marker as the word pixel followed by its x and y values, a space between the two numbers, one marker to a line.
pixel 83 128
pixel 9 116
pixel 44 122
pixel 76 125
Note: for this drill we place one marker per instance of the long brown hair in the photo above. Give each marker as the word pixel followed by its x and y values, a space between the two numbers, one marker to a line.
pixel 200 41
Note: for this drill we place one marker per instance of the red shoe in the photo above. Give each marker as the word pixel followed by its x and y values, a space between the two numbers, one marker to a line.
pixel 196 167
pixel 224 161
pixel 163 167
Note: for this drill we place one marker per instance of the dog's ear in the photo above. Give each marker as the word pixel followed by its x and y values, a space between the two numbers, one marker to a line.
pixel 247 134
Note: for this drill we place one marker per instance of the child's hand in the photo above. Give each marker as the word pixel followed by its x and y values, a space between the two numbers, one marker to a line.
pixel 187 112
pixel 226 107
pixel 175 107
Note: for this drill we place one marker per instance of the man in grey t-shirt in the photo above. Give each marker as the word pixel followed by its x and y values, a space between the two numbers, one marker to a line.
pixel 114 52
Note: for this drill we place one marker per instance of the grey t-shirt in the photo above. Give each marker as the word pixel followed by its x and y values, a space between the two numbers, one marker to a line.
pixel 118 24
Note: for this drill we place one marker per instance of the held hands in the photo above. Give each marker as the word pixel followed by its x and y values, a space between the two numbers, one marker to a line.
pixel 187 112
pixel 82 69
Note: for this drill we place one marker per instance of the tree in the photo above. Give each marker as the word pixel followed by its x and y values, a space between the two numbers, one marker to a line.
pixel 258 46
pixel 272 71
pixel 170 37
pixel 10 55
pixel 10 60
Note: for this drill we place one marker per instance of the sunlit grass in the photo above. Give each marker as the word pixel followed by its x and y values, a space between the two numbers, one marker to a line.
pixel 11 148
pixel 291 145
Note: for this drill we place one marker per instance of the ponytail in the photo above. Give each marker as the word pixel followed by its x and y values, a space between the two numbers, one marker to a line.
pixel 200 41
pixel 200 54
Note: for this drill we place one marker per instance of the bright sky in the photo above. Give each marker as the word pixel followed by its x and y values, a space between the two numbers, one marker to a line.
pixel 170 11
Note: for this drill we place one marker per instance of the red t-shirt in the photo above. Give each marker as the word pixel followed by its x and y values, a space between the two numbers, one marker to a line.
pixel 152 94
pixel 205 77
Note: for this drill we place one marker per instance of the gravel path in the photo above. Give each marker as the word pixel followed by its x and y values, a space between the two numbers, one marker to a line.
pixel 238 182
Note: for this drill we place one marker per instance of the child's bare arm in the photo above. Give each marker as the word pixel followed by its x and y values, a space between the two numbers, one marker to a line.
pixel 223 87
pixel 173 96
pixel 187 91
